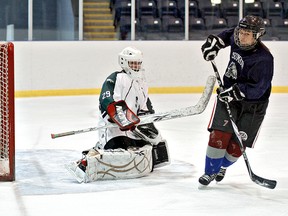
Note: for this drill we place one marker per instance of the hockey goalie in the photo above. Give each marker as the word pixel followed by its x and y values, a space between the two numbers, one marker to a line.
pixel 129 150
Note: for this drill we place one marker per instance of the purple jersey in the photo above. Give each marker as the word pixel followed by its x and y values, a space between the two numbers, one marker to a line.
pixel 252 70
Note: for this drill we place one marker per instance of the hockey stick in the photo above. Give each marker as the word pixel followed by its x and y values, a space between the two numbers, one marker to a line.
pixel 172 114
pixel 257 179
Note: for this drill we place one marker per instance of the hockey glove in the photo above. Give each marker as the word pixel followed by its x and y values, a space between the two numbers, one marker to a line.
pixel 231 94
pixel 120 113
pixel 211 47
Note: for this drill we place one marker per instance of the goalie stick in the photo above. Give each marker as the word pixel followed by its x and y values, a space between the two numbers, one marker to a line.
pixel 172 114
pixel 255 178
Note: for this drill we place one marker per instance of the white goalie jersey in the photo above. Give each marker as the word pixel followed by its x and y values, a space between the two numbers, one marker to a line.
pixel 120 86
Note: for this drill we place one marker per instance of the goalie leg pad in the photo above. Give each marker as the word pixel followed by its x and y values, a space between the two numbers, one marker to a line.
pixel 118 163
pixel 160 154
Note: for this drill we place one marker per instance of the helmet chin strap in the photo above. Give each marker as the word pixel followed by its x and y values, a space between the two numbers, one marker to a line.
pixel 136 75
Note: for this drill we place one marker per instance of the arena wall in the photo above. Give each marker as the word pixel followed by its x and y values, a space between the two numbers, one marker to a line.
pixel 80 67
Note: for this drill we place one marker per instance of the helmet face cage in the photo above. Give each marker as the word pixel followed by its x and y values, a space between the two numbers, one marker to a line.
pixel 252 23
pixel 131 54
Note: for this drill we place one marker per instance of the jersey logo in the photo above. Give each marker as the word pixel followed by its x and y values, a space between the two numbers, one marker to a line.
pixel 237 58
pixel 231 71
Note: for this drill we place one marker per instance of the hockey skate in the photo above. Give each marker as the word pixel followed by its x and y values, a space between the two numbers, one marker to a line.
pixel 221 174
pixel 206 179
pixel 76 169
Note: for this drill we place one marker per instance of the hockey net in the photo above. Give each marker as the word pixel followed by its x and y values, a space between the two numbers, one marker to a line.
pixel 7 127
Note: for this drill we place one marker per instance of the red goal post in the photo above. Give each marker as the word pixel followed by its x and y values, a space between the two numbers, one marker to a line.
pixel 7 118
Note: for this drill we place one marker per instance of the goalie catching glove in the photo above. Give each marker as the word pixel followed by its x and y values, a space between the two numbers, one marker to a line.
pixel 211 47
pixel 124 117
pixel 231 94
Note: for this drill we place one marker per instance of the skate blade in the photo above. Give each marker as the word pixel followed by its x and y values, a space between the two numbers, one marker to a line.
pixel 202 187
pixel 76 172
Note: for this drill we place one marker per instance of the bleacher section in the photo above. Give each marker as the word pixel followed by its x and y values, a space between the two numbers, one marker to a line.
pixel 165 19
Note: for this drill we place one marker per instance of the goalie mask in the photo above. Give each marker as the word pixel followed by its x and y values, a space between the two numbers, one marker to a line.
pixel 249 25
pixel 130 60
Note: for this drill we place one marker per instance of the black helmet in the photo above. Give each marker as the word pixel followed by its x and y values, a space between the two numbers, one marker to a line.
pixel 253 23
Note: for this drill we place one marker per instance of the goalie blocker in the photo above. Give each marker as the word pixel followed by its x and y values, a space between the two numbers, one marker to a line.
pixel 135 162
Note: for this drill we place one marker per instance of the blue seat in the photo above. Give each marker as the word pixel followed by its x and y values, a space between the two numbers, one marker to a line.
pixel 167 7
pixel 268 29
pixel 280 27
pixel 122 8
pixel 147 8
pixel 208 8
pixel 230 8
pixel 255 9
pixel 197 28
pixel 193 8
pixel 150 24
pixel 274 8
pixel 213 22
pixel 172 24
pixel 173 27
pixel 124 25
pixel 215 25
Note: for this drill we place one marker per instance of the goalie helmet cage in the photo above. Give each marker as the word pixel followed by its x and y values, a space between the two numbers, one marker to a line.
pixel 7 126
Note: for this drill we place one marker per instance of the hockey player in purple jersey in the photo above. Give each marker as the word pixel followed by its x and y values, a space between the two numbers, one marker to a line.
pixel 247 87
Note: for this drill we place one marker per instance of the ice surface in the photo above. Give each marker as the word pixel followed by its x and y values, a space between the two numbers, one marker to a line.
pixel 43 186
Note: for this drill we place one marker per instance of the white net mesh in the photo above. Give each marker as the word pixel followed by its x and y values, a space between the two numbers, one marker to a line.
pixel 4 111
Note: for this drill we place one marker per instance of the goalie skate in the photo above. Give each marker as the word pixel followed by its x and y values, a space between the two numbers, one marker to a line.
pixel 160 154
pixel 76 172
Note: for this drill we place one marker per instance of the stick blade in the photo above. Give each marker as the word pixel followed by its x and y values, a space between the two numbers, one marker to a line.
pixel 183 112
pixel 271 184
